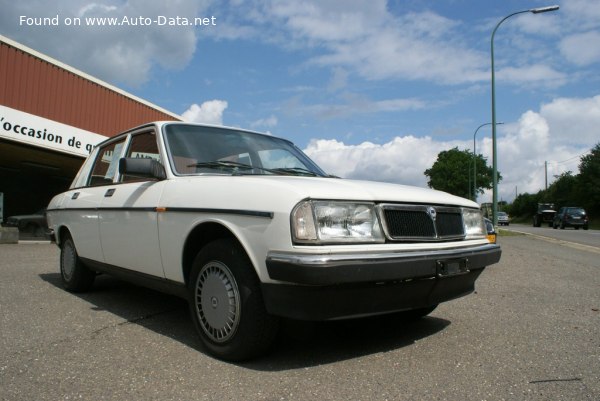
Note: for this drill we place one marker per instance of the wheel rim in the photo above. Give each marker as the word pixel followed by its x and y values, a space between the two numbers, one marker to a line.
pixel 68 260
pixel 217 302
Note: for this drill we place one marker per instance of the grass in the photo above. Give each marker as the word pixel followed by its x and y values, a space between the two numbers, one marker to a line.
pixel 507 233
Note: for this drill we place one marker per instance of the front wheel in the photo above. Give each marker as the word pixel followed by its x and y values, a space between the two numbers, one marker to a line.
pixel 226 303
pixel 76 277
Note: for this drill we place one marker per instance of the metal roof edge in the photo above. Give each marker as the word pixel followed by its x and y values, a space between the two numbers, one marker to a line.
pixel 83 75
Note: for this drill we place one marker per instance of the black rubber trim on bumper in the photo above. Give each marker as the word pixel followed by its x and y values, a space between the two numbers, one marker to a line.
pixel 334 302
pixel 332 269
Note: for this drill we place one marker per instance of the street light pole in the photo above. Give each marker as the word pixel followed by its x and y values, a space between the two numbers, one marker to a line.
pixel 475 161
pixel 494 152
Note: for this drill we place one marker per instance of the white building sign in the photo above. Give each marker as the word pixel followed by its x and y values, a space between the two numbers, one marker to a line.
pixel 16 125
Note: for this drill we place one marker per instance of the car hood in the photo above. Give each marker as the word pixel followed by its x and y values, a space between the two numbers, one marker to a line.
pixel 295 188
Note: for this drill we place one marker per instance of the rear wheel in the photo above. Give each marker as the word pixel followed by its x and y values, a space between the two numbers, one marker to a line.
pixel 76 277
pixel 226 303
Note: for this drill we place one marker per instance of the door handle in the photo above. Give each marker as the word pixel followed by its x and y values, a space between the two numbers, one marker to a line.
pixel 109 192
pixel 75 195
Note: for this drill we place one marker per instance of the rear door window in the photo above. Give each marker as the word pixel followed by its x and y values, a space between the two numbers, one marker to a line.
pixel 106 164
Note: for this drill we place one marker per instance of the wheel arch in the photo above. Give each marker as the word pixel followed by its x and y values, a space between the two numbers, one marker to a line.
pixel 61 233
pixel 201 235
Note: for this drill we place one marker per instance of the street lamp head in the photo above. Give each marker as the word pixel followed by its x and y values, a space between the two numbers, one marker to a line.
pixel 544 9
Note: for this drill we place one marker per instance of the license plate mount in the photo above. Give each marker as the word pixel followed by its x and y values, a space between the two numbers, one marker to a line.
pixel 452 267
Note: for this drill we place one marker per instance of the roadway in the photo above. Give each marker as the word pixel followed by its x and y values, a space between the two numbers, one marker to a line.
pixel 531 331
pixel 583 237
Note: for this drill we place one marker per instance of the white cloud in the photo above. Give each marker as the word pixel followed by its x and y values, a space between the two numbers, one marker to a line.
pixel 367 39
pixel 269 122
pixel 532 75
pixel 353 104
pixel 209 112
pixel 329 20
pixel 118 54
pixel 574 120
pixel 523 148
pixel 407 48
pixel 339 79
pixel 584 14
pixel 402 160
pixel 581 49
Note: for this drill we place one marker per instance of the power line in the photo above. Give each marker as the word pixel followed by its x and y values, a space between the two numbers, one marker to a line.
pixel 570 159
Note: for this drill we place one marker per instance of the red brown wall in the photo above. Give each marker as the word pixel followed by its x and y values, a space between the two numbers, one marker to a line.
pixel 36 86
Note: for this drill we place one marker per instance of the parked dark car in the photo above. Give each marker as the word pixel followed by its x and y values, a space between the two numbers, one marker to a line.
pixel 29 224
pixel 571 217
pixel 545 214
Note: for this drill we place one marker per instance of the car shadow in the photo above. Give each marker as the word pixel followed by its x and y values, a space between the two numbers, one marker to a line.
pixel 298 345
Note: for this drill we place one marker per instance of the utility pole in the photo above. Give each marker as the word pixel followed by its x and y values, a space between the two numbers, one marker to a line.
pixel 546 173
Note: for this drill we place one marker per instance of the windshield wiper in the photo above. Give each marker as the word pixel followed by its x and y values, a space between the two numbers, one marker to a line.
pixel 218 164
pixel 294 171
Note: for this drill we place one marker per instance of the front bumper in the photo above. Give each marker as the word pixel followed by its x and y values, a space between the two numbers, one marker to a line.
pixel 576 222
pixel 329 269
pixel 325 287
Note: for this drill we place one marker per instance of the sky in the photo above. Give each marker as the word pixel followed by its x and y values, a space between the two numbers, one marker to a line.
pixel 369 89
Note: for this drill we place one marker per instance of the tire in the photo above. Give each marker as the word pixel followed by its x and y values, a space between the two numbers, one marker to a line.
pixel 226 303
pixel 76 277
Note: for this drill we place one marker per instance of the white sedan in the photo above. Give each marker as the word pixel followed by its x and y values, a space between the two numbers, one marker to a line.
pixel 249 230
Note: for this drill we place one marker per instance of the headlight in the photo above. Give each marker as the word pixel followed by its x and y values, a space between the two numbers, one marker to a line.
pixel 474 225
pixel 335 222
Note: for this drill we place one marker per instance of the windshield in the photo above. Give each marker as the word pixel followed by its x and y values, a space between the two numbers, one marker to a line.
pixel 195 149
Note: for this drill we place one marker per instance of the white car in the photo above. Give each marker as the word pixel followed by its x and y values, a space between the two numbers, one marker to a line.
pixel 503 219
pixel 248 229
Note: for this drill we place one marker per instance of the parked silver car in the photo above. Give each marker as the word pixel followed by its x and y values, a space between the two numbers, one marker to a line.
pixel 503 219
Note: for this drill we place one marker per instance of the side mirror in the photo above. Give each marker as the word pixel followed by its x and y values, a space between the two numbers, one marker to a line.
pixel 142 167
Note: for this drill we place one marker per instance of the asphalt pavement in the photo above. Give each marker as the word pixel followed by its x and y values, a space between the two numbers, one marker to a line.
pixel 568 235
pixel 531 331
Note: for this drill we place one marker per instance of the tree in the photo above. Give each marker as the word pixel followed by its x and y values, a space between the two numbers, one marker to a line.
pixel 563 191
pixel 589 180
pixel 452 172
pixel 582 189
pixel 525 204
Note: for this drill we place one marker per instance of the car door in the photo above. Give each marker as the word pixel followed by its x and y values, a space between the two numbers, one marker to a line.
pixel 128 217
pixel 81 203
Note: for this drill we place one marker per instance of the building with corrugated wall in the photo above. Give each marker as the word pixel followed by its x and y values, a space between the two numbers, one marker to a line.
pixel 51 115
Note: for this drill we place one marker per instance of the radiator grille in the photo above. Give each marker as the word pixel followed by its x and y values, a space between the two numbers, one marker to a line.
pixel 419 222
